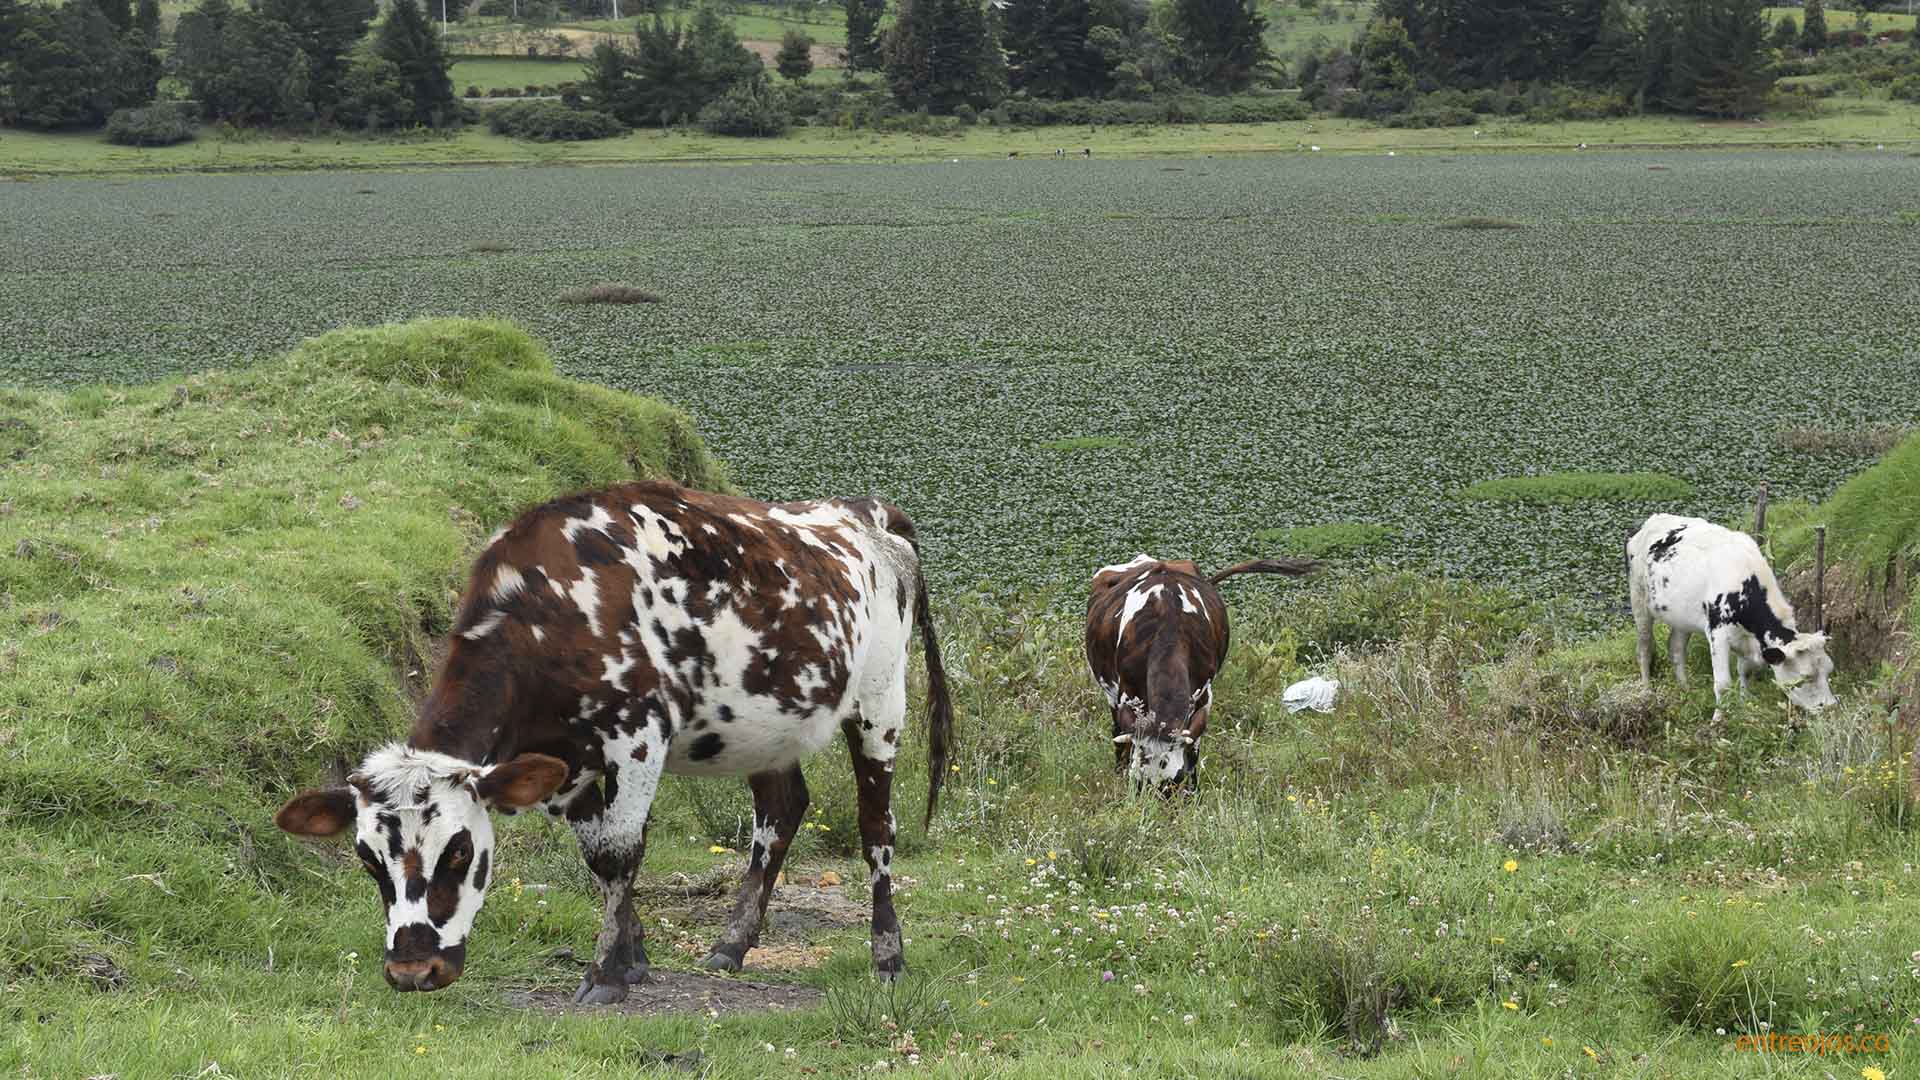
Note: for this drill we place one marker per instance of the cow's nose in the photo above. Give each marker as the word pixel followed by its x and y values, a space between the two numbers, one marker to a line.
pixel 432 973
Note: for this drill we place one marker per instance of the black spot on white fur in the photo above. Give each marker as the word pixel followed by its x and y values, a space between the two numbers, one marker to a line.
pixel 706 747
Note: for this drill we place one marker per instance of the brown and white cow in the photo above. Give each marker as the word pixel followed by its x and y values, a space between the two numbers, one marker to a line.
pixel 1156 636
pixel 611 636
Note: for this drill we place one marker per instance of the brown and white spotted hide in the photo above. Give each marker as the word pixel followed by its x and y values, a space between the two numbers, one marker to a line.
pixel 610 637
pixel 1156 636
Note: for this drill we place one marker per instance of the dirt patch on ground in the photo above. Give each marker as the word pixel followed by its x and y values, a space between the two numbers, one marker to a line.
pixel 674 992
pixel 824 56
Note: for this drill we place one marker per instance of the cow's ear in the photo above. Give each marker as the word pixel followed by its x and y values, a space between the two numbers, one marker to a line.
pixel 520 783
pixel 1772 655
pixel 317 813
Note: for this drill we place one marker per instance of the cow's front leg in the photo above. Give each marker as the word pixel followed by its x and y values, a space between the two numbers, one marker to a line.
pixel 779 805
pixel 873 752
pixel 1720 648
pixel 612 827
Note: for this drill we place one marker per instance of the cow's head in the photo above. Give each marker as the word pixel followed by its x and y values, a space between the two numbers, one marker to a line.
pixel 1165 740
pixel 1801 667
pixel 422 831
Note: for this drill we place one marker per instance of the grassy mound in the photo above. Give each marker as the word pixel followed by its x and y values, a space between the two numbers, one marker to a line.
pixel 211 589
pixel 1580 486
pixel 1331 540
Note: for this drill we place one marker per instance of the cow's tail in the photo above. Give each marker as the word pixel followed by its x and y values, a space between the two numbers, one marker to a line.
pixel 1289 567
pixel 939 703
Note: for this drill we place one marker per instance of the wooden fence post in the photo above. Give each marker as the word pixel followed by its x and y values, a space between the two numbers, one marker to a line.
pixel 1820 578
pixel 1760 516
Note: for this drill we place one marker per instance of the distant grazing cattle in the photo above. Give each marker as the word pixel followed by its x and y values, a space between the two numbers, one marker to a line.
pixel 1699 578
pixel 615 635
pixel 1156 636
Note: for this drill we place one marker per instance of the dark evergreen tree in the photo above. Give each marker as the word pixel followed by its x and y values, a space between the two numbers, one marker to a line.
pixel 372 94
pixel 1706 56
pixel 718 58
pixel 1222 43
pixel 1813 26
pixel 118 12
pixel 411 44
pixel 146 19
pixel 1386 66
pixel 606 83
pixel 794 61
pixel 1049 53
pixel 234 61
pixel 69 67
pixel 327 31
pixel 942 54
pixel 1786 33
pixel 863 34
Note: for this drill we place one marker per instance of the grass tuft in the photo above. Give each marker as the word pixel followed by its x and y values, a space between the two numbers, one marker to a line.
pixel 1481 223
pixel 609 293
pixel 1580 487
pixel 1330 540
pixel 1857 442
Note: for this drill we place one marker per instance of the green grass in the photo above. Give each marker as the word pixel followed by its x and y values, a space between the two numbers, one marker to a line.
pixel 1843 19
pixel 1498 857
pixel 490 73
pixel 1580 487
pixel 1334 539
pixel 1894 124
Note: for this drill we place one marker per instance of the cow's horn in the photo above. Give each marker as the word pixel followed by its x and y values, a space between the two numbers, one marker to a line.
pixel 1122 739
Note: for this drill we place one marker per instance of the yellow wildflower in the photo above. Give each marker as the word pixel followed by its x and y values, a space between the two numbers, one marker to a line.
pixel 1871 1073
pixel 716 849
pixel 1510 1005
pixel 1590 1052
pixel 1737 964
pixel 1510 866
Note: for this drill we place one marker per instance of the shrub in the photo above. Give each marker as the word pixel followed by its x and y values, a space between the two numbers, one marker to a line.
pixel 749 108
pixel 159 124
pixel 552 121
pixel 1907 89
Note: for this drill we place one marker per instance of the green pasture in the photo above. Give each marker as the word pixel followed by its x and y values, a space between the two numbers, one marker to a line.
pixel 1498 856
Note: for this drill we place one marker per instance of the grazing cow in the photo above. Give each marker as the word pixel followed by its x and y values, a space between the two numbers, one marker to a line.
pixel 611 636
pixel 1699 578
pixel 1156 635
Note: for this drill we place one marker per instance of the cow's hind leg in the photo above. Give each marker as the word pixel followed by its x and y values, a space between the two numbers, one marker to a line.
pixel 873 736
pixel 779 805
pixel 611 825
pixel 1677 653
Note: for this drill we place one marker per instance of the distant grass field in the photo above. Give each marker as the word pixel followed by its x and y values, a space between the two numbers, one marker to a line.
pixel 1894 125
pixel 1843 19
pixel 489 73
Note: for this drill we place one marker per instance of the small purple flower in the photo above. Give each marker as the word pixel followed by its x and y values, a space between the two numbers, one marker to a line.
pixel 1107 977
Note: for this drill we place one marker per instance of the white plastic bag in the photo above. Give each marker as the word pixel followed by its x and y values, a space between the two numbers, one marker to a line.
pixel 1315 693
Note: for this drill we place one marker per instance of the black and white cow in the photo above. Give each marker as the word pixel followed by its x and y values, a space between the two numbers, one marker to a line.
pixel 610 637
pixel 1700 578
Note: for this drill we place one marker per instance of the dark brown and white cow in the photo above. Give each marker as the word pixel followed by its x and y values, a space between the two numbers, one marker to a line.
pixel 611 636
pixel 1700 578
pixel 1156 636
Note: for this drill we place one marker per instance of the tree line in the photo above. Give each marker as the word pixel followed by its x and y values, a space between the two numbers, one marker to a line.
pixel 276 62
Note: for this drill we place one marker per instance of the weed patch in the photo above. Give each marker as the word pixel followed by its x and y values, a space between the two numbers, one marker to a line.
pixel 1573 487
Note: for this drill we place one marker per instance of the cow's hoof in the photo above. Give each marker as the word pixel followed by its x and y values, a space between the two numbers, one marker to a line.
pixel 595 993
pixel 720 961
pixel 888 976
pixel 639 975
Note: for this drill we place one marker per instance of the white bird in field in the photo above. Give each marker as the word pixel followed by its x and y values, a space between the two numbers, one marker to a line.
pixel 1476 133
pixel 1315 149
pixel 1583 146
pixel 1389 153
